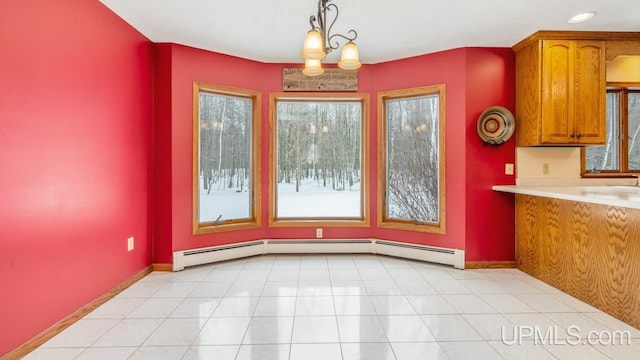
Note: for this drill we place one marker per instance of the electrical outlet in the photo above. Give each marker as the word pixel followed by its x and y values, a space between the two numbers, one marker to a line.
pixel 545 169
pixel 508 169
pixel 130 243
pixel 319 233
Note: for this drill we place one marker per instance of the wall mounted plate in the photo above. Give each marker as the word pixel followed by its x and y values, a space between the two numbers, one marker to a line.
pixel 496 125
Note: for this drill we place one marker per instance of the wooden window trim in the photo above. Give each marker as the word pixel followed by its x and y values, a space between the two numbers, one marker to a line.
pixel 624 89
pixel 383 221
pixel 254 221
pixel 364 99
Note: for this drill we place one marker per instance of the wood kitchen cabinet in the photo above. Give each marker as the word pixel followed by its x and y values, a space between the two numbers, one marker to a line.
pixel 560 91
pixel 590 251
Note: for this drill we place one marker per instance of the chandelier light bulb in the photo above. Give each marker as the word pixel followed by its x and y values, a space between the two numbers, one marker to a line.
pixel 350 58
pixel 313 48
pixel 312 67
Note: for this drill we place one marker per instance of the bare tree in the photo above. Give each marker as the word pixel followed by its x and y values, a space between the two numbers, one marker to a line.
pixel 412 158
pixel 319 141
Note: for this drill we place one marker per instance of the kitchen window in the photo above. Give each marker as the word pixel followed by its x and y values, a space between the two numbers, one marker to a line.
pixel 621 153
pixel 226 153
pixel 411 125
pixel 318 159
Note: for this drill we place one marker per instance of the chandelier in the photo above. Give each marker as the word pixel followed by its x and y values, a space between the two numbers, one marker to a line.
pixel 319 42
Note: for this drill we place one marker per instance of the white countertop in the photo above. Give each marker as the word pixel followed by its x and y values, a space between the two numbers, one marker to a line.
pixel 624 196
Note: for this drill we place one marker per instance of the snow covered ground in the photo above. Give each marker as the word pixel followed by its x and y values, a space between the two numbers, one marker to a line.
pixel 226 202
pixel 317 202
pixel 312 201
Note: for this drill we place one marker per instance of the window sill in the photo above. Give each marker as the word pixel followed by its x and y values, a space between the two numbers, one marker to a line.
pixel 212 229
pixel 430 228
pixel 609 175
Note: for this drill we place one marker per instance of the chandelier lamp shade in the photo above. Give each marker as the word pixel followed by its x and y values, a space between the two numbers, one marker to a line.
pixel 319 42
pixel 312 67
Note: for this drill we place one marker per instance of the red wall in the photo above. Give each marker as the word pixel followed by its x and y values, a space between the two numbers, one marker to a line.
pixel 75 159
pixel 490 73
pixel 490 226
pixel 162 160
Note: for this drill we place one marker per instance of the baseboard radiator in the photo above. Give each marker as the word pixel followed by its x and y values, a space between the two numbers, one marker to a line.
pixel 186 258
pixel 348 246
pixel 453 257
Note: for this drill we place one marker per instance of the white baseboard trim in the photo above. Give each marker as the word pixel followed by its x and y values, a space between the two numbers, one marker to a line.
pixel 186 258
pixel 193 257
pixel 453 257
pixel 333 246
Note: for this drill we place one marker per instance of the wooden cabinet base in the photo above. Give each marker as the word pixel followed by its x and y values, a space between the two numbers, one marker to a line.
pixel 589 251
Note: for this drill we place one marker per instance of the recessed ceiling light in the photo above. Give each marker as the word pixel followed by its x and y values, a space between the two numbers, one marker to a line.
pixel 582 17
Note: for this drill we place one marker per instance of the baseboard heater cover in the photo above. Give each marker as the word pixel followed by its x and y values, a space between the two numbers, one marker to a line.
pixel 454 257
pixel 200 256
pixel 182 259
pixel 319 246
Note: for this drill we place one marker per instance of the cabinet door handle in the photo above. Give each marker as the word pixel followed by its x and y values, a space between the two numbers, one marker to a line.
pixel 579 135
pixel 572 135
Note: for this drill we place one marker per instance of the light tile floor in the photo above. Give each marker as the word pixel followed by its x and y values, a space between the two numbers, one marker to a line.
pixel 341 307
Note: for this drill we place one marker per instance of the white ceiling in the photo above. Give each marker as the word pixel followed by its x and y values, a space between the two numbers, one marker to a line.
pixel 272 31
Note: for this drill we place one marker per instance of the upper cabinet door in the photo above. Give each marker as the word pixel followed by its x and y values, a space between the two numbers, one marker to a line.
pixel 561 92
pixel 556 123
pixel 589 92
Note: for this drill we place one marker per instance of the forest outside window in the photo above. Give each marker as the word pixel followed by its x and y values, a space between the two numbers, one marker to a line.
pixel 226 129
pixel 621 153
pixel 318 168
pixel 411 160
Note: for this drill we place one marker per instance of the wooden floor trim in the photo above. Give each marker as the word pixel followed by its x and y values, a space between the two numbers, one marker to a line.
pixel 490 265
pixel 162 267
pixel 32 344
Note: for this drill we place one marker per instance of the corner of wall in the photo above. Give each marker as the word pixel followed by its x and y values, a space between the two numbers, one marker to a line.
pixel 161 228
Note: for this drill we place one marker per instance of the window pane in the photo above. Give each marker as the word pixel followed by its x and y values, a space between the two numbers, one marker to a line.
pixel 319 160
pixel 606 157
pixel 412 127
pixel 634 131
pixel 225 157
